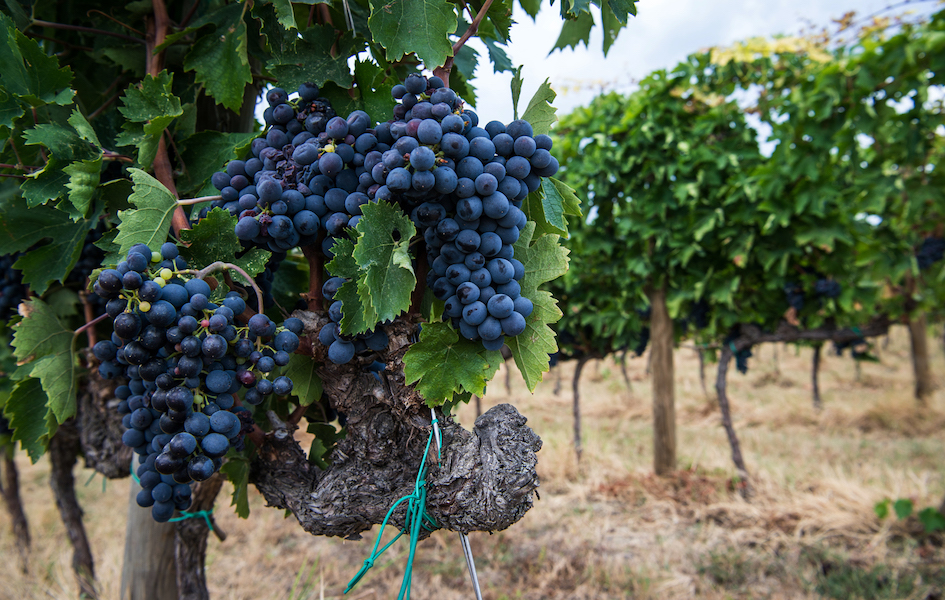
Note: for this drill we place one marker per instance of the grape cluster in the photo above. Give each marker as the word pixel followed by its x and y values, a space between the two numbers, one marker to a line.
pixel 699 314
pixel 300 175
pixel 464 186
pixel 794 295
pixel 859 348
pixel 342 348
pixel 827 288
pixel 930 252
pixel 186 358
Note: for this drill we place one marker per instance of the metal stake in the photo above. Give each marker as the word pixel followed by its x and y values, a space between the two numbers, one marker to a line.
pixel 463 538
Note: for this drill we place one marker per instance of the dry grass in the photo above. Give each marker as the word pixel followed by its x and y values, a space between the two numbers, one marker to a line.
pixel 608 528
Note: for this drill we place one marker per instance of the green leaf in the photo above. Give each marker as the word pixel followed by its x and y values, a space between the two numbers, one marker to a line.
pixel 26 71
pixel 902 507
pixel 540 113
pixel 500 59
pixel 307 385
pixel 466 61
pixel 881 508
pixel 442 364
pixel 236 469
pixel 32 422
pixel 83 180
pixel 326 438
pixel 21 228
pixel 63 142
pixel 516 89
pixel 419 26
pixel 221 63
pixel 309 58
pixel 41 340
pixel 544 260
pixel 374 87
pixel 214 238
pixel 206 152
pixel 150 221
pixel 574 32
pixel 548 206
pixel 84 128
pixel 531 7
pixel 932 520
pixel 149 108
pixel 386 278
pixel 284 13
pixel 49 184
pixel 10 109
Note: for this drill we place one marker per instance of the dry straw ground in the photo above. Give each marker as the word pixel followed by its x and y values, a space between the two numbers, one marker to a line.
pixel 607 528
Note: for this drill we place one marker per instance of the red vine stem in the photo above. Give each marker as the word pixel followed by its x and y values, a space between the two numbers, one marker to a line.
pixel 219 266
pixel 19 167
pixel 444 71
pixel 91 323
pixel 121 36
pixel 190 201
pixel 315 261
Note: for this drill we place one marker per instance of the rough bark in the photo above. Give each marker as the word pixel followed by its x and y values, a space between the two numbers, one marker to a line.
pixel 191 543
pixel 576 407
pixel 63 449
pixel 10 488
pixel 149 571
pixel 815 377
pixel 664 411
pixel 478 401
pixel 484 481
pixel 725 357
pixel 918 337
pixel 100 428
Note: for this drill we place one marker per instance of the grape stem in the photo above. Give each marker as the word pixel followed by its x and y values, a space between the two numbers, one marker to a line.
pixel 91 323
pixel 189 201
pixel 219 266
pixel 444 71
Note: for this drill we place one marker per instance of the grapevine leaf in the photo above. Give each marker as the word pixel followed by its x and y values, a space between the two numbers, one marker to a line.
pixel 516 89
pixel 48 184
pixel 356 317
pixel 84 128
pixel 326 437
pixel 418 26
pixel 213 239
pixel 150 221
pixel 291 277
pixel 544 261
pixel 574 32
pixel 21 228
pixel 204 152
pixel 221 63
pixel 309 58
pixel 307 385
pixel 63 142
pixel 83 179
pixel 531 7
pixel 375 87
pixel 443 364
pixel 236 469
pixel 500 59
pixel 540 113
pixel 41 340
pixel 28 72
pixel 10 109
pixel 548 206
pixel 466 61
pixel 386 275
pixel 284 13
pixel 30 418
pixel 149 109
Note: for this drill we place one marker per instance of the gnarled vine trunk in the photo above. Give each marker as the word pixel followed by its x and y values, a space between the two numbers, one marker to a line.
pixel 484 480
pixel 63 449
pixel 725 357
pixel 576 408
pixel 815 377
pixel 10 489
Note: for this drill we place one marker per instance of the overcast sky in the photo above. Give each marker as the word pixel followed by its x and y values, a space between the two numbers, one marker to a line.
pixel 663 33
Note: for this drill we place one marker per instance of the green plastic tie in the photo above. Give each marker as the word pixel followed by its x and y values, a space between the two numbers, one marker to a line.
pixel 200 514
pixel 415 518
pixel 133 474
pixel 732 346
pixel 857 331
